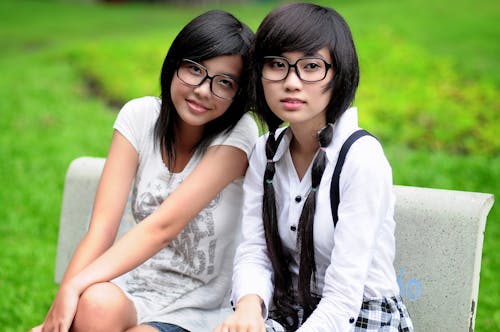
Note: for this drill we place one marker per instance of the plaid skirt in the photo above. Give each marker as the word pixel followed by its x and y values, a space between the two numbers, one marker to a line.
pixel 381 315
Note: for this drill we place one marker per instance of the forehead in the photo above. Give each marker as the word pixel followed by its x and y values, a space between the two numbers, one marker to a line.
pixel 293 56
pixel 224 64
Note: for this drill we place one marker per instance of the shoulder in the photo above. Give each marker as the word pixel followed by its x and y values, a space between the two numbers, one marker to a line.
pixel 248 122
pixel 142 107
pixel 366 155
pixel 246 128
pixel 367 147
pixel 242 136
pixel 136 120
pixel 259 154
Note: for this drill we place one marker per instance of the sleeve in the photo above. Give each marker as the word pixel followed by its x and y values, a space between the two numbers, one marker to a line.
pixel 365 198
pixel 253 273
pixel 243 135
pixel 134 119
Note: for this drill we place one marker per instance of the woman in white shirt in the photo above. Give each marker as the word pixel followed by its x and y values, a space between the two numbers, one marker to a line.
pixel 184 155
pixel 297 266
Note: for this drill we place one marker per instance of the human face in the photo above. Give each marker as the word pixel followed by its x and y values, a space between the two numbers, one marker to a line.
pixel 197 105
pixel 296 101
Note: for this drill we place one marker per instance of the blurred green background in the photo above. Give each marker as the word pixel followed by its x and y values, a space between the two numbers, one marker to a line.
pixel 429 90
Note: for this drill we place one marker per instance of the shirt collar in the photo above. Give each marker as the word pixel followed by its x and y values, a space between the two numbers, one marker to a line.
pixel 343 128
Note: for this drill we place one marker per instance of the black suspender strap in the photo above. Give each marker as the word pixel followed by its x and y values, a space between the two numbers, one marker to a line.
pixel 334 187
pixel 278 141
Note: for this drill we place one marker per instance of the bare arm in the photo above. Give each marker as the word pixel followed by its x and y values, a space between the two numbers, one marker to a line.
pixel 219 166
pixel 111 198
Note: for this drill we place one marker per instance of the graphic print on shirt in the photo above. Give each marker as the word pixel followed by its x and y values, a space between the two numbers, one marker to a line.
pixel 186 263
pixel 150 198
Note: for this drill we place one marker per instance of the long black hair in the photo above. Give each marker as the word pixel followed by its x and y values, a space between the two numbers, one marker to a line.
pixel 307 28
pixel 211 34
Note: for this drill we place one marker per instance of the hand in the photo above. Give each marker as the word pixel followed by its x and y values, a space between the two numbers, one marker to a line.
pixel 246 318
pixel 37 328
pixel 241 322
pixel 61 313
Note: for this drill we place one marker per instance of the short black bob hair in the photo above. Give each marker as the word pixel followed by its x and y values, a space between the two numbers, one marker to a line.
pixel 209 35
pixel 307 28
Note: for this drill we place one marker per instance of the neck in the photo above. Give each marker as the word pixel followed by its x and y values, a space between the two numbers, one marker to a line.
pixel 186 137
pixel 305 138
pixel 303 147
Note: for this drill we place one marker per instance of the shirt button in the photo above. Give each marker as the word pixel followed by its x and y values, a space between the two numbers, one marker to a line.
pixel 293 228
pixel 351 320
pixel 298 198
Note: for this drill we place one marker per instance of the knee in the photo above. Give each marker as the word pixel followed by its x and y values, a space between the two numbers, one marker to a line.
pixel 98 306
pixel 96 299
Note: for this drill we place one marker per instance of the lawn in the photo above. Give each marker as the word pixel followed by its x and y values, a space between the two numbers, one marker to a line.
pixel 429 90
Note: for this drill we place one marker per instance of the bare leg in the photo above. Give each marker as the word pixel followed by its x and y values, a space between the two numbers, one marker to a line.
pixel 104 307
pixel 142 328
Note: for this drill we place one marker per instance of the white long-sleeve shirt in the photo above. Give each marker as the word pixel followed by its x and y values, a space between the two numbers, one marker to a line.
pixel 354 261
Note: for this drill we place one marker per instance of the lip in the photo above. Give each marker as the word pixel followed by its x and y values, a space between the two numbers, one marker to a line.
pixel 292 103
pixel 196 107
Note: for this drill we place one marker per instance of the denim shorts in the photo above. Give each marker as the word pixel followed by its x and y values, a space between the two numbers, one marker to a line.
pixel 166 327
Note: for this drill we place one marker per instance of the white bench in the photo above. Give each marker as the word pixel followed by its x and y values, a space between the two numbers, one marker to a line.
pixel 439 244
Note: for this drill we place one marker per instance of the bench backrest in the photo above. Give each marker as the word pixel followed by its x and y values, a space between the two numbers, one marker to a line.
pixel 439 239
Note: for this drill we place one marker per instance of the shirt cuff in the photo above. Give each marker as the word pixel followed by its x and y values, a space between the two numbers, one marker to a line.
pixel 264 293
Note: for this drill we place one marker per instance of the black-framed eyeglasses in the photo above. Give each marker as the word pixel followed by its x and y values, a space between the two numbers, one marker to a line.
pixel 194 74
pixel 308 69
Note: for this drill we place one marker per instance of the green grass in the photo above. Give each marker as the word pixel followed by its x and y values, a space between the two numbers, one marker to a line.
pixel 429 90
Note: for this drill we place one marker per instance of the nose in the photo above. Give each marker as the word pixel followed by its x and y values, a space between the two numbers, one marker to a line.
pixel 292 81
pixel 204 89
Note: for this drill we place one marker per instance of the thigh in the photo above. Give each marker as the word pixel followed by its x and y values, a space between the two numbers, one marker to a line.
pixel 386 314
pixel 104 307
pixel 165 327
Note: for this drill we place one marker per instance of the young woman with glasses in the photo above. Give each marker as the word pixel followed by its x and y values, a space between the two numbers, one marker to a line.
pixel 305 264
pixel 184 155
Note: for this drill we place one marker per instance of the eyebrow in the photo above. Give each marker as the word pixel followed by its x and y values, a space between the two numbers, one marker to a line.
pixel 314 55
pixel 311 54
pixel 306 55
pixel 234 77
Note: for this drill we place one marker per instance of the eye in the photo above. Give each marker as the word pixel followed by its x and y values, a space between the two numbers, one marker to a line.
pixel 275 64
pixel 278 64
pixel 225 82
pixel 195 70
pixel 311 65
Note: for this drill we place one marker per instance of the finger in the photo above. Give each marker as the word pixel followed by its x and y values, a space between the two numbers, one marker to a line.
pixel 224 328
pixel 37 328
pixel 64 327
